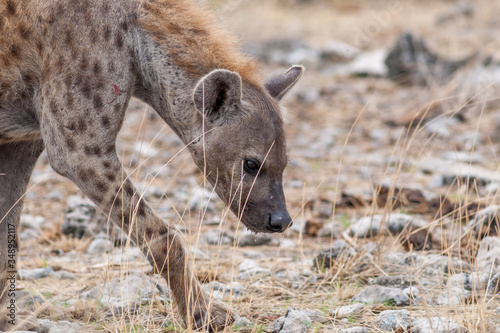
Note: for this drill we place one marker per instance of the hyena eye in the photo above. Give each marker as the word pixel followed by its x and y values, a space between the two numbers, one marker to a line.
pixel 252 166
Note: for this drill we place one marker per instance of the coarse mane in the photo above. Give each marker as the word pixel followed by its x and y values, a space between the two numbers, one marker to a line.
pixel 193 40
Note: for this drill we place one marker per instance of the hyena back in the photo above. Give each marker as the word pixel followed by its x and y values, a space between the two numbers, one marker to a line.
pixel 67 72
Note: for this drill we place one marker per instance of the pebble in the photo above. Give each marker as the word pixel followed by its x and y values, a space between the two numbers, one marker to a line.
pixel 370 226
pixel 62 326
pixel 340 251
pixel 251 267
pixel 435 325
pixel 453 296
pixel 127 292
pixel 488 256
pixel 217 237
pixel 31 222
pixel 251 239
pixel 354 330
pixel 379 294
pixel 348 310
pixel 35 273
pixel 219 290
pixel 100 246
pixel 78 216
pixel 394 320
pixel 487 221
pixel 294 321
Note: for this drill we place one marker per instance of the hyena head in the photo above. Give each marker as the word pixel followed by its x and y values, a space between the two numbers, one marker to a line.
pixel 243 149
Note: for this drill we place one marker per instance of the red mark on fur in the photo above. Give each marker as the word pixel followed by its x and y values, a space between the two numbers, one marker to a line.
pixel 117 93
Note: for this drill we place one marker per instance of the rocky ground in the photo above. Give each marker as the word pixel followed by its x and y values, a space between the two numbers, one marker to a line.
pixel 393 184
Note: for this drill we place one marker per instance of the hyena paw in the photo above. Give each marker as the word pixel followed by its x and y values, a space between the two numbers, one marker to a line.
pixel 215 317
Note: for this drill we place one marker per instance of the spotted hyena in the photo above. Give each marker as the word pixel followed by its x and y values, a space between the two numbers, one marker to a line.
pixel 67 71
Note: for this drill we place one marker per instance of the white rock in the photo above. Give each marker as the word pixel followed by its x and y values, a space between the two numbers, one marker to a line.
pixel 348 310
pixel 435 325
pixel 100 246
pixel 62 326
pixel 294 321
pixel 394 320
pixel 488 256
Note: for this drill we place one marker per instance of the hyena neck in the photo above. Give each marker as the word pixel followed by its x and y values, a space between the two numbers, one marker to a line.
pixel 177 45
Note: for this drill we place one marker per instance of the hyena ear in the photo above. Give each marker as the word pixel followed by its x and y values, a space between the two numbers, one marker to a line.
pixel 217 92
pixel 278 86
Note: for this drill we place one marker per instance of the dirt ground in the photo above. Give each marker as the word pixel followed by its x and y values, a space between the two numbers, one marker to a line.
pixel 356 136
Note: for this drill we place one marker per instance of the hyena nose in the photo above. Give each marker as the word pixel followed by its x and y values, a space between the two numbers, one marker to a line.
pixel 279 221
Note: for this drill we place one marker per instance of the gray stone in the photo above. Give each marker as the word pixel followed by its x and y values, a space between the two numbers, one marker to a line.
pixel 251 239
pixel 35 273
pixel 219 290
pixel 411 61
pixel 435 325
pixel 63 275
pixel 128 292
pixel 336 50
pixel 251 267
pixel 453 296
pixel 369 226
pixel 216 237
pixel 241 323
pixel 348 310
pixel 294 321
pixel 59 326
pixel 331 230
pixel 393 281
pixel 487 221
pixel 379 294
pixel 27 301
pixel 354 330
pixel 31 222
pixel 394 320
pixel 100 246
pixel 368 63
pixel 340 251
pixel 78 216
pixel 488 256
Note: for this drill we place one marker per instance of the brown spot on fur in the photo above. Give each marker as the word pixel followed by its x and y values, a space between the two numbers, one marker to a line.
pixel 101 186
pixel 86 89
pixel 106 164
pixel 111 150
pixel 97 68
pixel 105 122
pixel 82 125
pixel 107 33
pixel 24 32
pixel 110 177
pixel 11 7
pixel 111 67
pixel 15 51
pixel 92 150
pixel 68 38
pixel 70 143
pixel 124 26
pixel 69 99
pixel 68 82
pixel 93 35
pixel 128 189
pixel 97 102
pixel 53 107
pixel 141 209
pixel 118 40
pixel 84 64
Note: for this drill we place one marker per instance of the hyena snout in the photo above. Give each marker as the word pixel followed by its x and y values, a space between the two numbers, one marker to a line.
pixel 278 221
